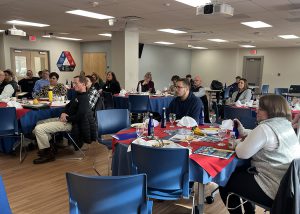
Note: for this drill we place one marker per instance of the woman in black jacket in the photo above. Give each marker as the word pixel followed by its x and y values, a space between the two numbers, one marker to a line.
pixel 111 85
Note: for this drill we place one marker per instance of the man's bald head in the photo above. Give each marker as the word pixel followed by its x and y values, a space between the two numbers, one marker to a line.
pixel 197 81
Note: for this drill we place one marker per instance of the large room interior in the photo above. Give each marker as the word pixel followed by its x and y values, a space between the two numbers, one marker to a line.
pixel 114 43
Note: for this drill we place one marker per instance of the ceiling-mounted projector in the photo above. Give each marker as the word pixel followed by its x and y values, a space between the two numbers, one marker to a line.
pixel 15 32
pixel 223 9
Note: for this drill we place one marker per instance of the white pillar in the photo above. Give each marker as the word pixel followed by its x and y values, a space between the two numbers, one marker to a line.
pixel 125 61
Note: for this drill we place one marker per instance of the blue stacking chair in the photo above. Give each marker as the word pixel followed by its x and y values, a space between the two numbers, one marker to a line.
pixel 245 115
pixel 170 179
pixel 110 121
pixel 108 194
pixel 4 204
pixel 226 93
pixel 138 104
pixel 280 91
pixel 265 89
pixel 9 127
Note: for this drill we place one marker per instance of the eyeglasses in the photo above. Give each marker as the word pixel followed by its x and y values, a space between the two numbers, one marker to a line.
pixel 179 87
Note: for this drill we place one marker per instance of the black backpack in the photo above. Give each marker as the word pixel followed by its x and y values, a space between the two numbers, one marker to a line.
pixel 216 85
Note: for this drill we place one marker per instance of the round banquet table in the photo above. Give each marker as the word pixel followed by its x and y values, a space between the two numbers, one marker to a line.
pixel 156 102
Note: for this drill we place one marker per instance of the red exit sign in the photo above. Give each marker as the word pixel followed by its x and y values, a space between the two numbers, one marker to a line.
pixel 32 38
pixel 253 52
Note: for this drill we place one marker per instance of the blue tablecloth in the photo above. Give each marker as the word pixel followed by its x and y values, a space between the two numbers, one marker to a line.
pixel 156 103
pixel 27 124
pixel 121 164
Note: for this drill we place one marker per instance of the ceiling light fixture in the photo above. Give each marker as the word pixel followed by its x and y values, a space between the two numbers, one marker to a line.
pixel 105 34
pixel 247 46
pixel 89 14
pixel 197 47
pixel 194 3
pixel 288 36
pixel 256 24
pixel 164 43
pixel 24 23
pixel 217 40
pixel 67 38
pixel 169 30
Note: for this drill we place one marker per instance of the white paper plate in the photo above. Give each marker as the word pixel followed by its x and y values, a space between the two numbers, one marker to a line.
pixel 210 132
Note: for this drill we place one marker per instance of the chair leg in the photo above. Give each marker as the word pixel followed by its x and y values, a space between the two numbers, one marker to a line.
pixel 74 158
pixel 21 148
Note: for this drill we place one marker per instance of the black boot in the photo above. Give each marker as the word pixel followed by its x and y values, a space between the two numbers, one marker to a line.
pixel 46 155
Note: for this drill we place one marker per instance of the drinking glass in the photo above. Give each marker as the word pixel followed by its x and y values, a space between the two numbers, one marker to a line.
pixel 222 135
pixel 139 131
pixel 189 138
pixel 212 118
pixel 172 118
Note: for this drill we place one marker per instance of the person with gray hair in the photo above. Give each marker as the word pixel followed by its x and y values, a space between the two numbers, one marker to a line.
pixel 146 84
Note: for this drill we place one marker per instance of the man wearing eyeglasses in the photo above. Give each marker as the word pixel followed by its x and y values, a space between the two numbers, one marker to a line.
pixel 77 117
pixel 186 103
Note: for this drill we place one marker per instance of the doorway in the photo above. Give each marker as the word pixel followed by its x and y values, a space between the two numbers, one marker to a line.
pixel 23 60
pixel 95 63
pixel 253 69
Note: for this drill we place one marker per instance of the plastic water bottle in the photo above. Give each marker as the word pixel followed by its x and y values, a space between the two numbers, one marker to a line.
pixel 151 126
pixel 235 129
pixel 231 140
pixel 163 123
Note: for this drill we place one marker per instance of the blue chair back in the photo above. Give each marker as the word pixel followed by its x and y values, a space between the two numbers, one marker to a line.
pixel 110 121
pixel 280 91
pixel 227 93
pixel 138 103
pixel 169 180
pixel 265 89
pixel 245 115
pixel 8 121
pixel 107 194
pixel 4 205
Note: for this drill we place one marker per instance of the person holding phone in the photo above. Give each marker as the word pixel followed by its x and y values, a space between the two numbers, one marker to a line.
pixel 272 146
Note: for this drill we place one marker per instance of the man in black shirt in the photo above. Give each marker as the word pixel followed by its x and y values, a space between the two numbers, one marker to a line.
pixel 77 116
pixel 27 83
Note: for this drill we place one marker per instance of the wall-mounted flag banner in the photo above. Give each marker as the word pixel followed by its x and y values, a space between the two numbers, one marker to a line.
pixel 66 62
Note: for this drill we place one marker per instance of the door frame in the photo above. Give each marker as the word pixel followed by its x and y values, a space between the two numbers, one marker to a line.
pixel 261 66
pixel 25 49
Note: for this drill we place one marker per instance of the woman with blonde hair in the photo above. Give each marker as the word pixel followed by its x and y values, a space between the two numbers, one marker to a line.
pixel 272 146
pixel 97 81
pixel 146 85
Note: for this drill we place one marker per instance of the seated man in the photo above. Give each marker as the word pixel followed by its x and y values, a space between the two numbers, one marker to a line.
pixel 199 91
pixel 186 103
pixel 27 83
pixel 77 117
pixel 234 86
pixel 41 82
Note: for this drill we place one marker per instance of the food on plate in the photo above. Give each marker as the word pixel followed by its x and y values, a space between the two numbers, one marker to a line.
pixel 198 131
pixel 35 101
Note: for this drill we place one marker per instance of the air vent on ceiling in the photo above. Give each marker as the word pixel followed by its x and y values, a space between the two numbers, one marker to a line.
pixel 287 7
pixel 243 42
pixel 132 18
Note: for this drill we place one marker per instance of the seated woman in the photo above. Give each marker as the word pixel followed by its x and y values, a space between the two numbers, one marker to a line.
pixel 97 81
pixel 57 88
pixel 7 89
pixel 93 94
pixel 272 146
pixel 111 85
pixel 147 85
pixel 243 94
pixel 172 88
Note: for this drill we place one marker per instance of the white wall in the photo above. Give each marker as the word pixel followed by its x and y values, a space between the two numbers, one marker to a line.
pixel 54 46
pixel 224 65
pixel 163 63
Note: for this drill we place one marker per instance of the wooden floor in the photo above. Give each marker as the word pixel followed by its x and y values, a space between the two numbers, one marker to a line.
pixel 36 189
